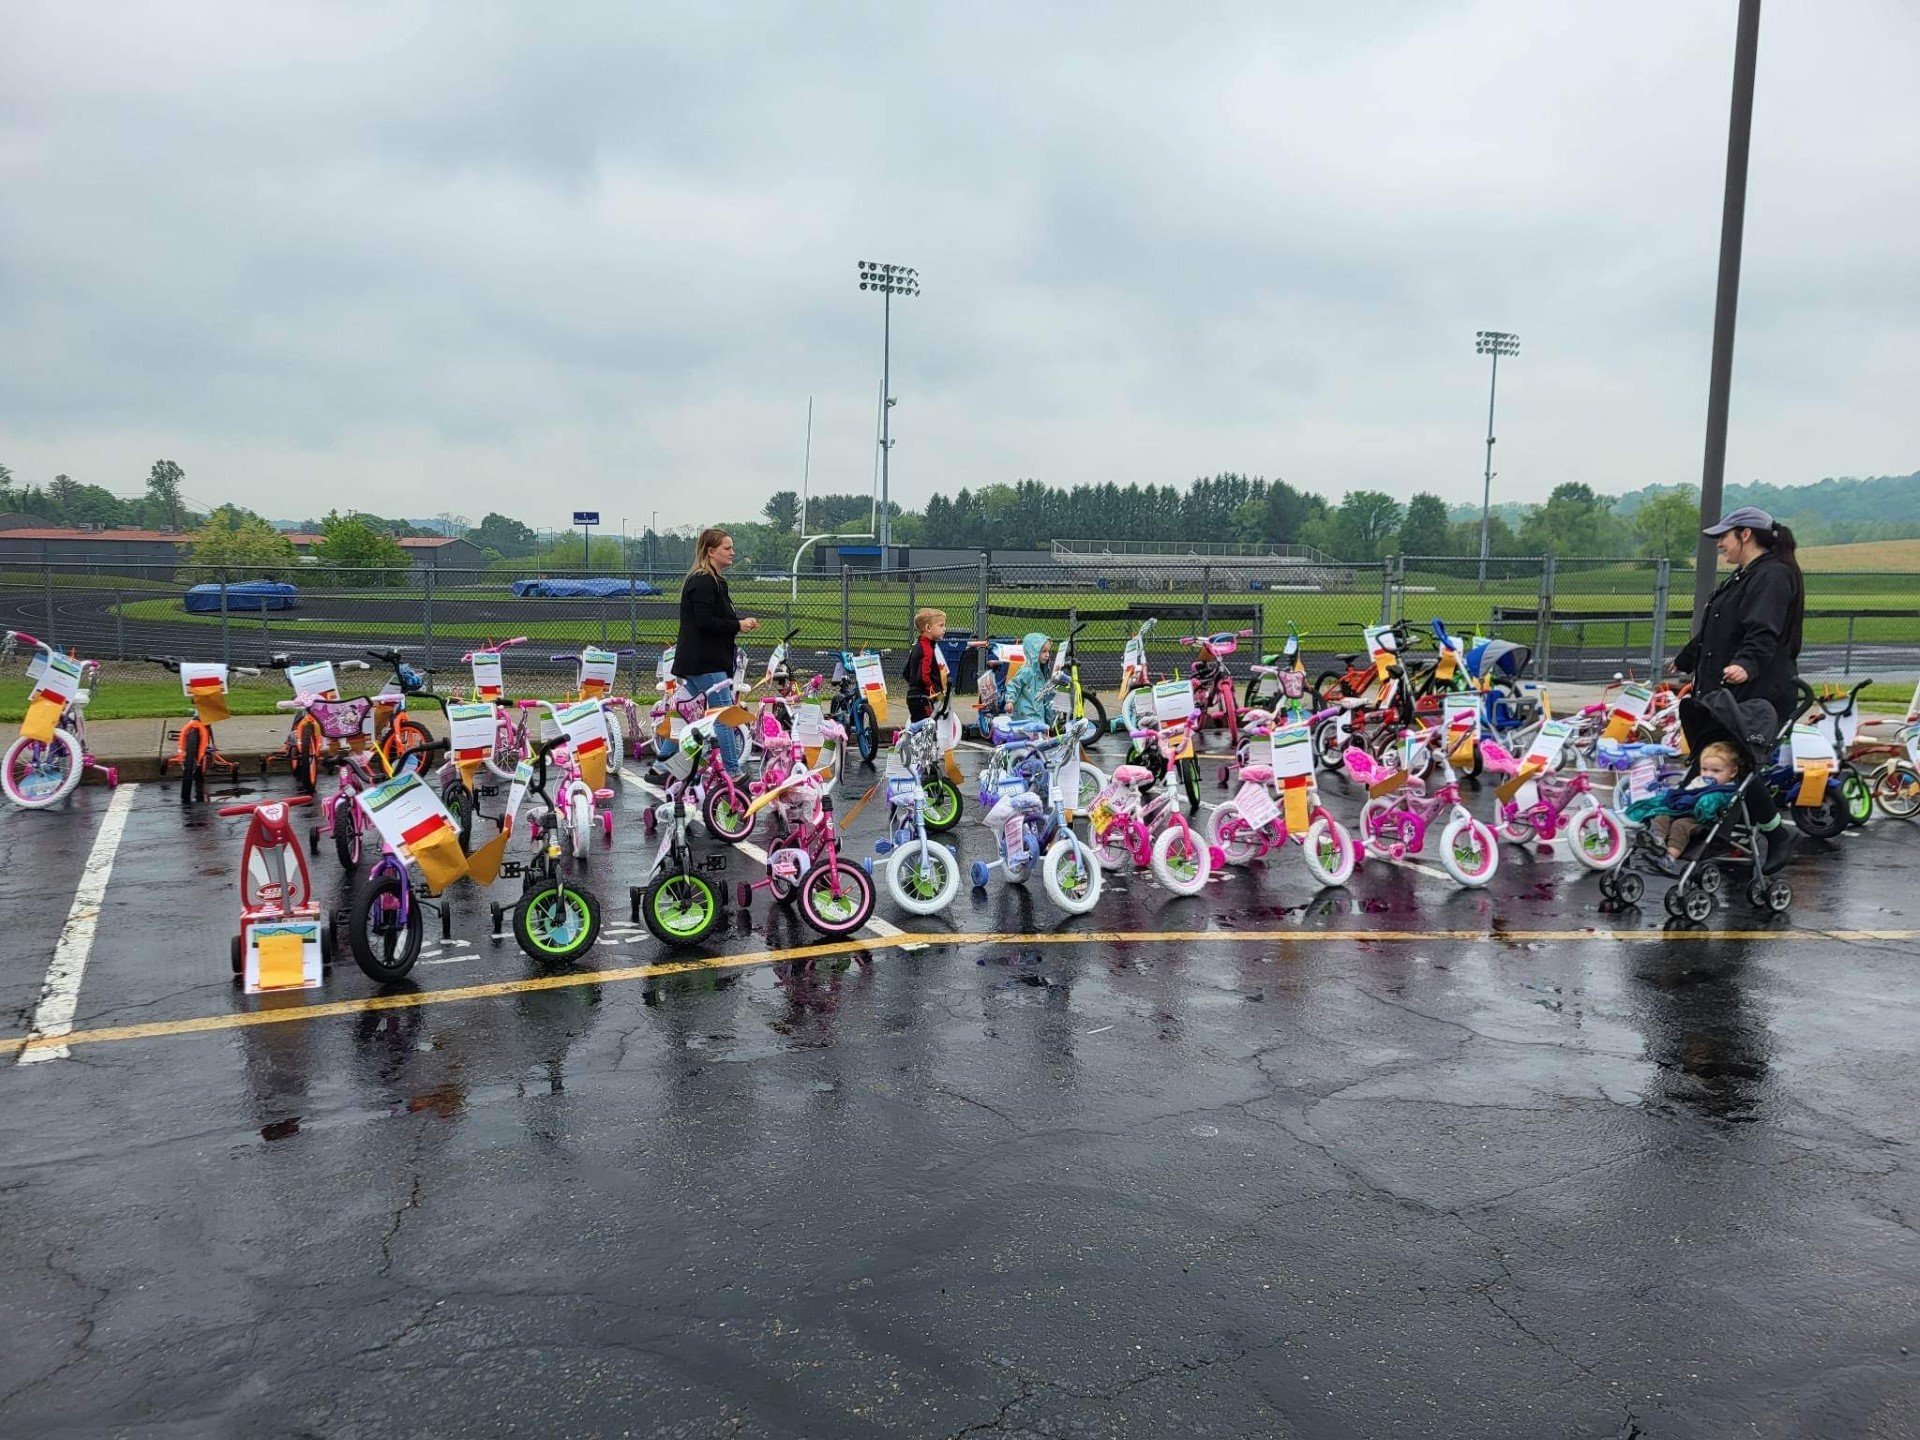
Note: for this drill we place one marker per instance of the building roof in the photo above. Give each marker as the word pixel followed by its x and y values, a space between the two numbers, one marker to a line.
pixel 427 542
pixel 57 532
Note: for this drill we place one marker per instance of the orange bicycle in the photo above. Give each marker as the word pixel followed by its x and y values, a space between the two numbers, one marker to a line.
pixel 197 754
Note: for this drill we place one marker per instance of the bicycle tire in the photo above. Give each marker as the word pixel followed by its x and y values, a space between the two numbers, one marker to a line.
pixel 404 739
pixel 725 817
pixel 866 731
pixel 832 915
pixel 1190 782
pixel 944 806
pixel 1096 712
pixel 460 805
pixel 193 762
pixel 534 918
pixel 1332 685
pixel 691 908
pixel 346 835
pixel 390 954
pixel 1896 790
pixel 39 759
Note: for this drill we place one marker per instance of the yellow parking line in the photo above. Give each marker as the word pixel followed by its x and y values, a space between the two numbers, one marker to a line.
pixel 287 1009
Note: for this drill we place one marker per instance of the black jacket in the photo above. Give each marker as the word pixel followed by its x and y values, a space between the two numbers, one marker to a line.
pixel 1753 620
pixel 707 627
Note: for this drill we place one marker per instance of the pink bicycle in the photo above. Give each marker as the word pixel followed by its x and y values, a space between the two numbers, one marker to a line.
pixel 1214 700
pixel 1564 807
pixel 1254 823
pixel 1123 822
pixel 804 863
pixel 1394 821
pixel 38 773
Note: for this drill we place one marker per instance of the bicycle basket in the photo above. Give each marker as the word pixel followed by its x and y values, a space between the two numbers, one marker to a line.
pixel 341 719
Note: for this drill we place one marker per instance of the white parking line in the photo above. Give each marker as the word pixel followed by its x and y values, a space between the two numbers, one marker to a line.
pixel 60 991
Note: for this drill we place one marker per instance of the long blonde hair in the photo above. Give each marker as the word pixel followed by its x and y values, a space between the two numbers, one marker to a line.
pixel 703 549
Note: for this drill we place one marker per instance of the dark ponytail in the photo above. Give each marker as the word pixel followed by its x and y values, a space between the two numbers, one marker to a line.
pixel 1780 544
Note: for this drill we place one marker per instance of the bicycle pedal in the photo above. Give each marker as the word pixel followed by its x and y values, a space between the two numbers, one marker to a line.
pixel 512 869
pixel 713 864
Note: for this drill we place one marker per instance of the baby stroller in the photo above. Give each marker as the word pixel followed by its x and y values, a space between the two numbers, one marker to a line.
pixel 1727 848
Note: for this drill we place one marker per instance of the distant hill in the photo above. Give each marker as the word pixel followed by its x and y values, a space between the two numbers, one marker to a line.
pixel 1902 555
pixel 1835 511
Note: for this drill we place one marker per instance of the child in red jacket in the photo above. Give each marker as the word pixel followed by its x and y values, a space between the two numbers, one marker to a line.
pixel 926 669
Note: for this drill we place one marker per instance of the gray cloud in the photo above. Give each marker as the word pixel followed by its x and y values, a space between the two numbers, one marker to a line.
pixel 515 257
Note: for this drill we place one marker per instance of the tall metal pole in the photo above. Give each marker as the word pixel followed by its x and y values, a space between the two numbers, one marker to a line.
pixel 1733 215
pixel 886 415
pixel 1486 484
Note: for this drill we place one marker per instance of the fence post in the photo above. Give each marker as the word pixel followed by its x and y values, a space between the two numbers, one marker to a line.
pixel 119 623
pixel 603 622
pixel 1846 667
pixel 846 606
pixel 980 603
pixel 226 640
pixel 1386 591
pixel 913 604
pixel 633 626
pixel 46 586
pixel 1543 619
pixel 426 617
pixel 1662 588
pixel 1206 598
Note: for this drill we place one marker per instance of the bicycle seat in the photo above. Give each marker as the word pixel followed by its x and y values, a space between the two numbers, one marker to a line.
pixel 1256 774
pixel 1254 719
pixel 1133 775
pixel 603 796
pixel 1348 660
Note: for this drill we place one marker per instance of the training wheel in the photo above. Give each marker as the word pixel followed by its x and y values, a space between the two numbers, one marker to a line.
pixel 650 822
pixel 497 913
pixel 743 894
pixel 979 874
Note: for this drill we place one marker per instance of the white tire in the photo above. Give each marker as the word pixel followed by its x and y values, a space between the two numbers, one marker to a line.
pixel 942 877
pixel 1070 877
pixel 1469 851
pixel 580 823
pixel 1180 860
pixel 51 779
pixel 1596 837
pixel 1237 841
pixel 1330 851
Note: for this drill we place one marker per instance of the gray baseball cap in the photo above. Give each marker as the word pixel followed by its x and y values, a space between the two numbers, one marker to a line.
pixel 1747 517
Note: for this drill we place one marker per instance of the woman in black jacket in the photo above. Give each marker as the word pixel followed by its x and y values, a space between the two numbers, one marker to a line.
pixel 703 650
pixel 1748 640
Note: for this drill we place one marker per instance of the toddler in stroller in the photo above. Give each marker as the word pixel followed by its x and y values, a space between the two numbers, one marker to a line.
pixel 1676 815
pixel 1742 836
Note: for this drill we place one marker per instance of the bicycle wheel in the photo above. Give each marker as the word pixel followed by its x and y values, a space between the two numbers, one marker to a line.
pixel 839 913
pixel 943 807
pixel 1857 796
pixel 459 802
pixel 1190 783
pixel 305 742
pixel 385 944
pixel 1468 852
pixel 405 741
pixel 1180 860
pixel 681 908
pixel 193 762
pixel 346 835
pixel 866 731
pixel 1097 713
pixel 726 815
pixel 1822 821
pixel 505 756
pixel 1234 838
pixel 1070 878
pixel 1332 685
pixel 1329 851
pixel 38 774
pixel 1896 790
pixel 556 923
pixel 923 885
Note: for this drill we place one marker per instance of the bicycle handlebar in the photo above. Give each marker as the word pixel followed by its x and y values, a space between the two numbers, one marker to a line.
pixel 494 649
pixel 289 801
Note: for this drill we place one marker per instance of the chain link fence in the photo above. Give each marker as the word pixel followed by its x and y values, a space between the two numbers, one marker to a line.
pixel 1584 619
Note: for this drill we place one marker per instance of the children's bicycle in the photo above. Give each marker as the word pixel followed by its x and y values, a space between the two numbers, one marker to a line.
pixel 1126 825
pixel 850 706
pixel 386 915
pixel 1562 806
pixel 1254 822
pixel 197 755
pixel 1896 784
pixel 553 921
pixel 679 902
pixel 276 888
pixel 923 874
pixel 804 862
pixel 36 773
pixel 306 742
pixel 1400 810
pixel 1029 825
pixel 1215 702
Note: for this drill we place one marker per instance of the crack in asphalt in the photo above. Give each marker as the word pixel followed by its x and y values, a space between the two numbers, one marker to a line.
pixel 77 1347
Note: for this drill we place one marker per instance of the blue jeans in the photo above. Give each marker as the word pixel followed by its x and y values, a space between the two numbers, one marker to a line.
pixel 725 735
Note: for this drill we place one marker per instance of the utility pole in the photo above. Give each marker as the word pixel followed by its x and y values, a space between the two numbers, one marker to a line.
pixel 1733 219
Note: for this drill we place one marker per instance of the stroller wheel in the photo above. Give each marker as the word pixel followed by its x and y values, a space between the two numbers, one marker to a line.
pixel 1609 890
pixel 1772 896
pixel 1629 888
pixel 1696 905
pixel 1675 902
pixel 1709 879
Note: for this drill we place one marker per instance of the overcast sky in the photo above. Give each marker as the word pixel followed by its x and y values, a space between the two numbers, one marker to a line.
pixel 468 256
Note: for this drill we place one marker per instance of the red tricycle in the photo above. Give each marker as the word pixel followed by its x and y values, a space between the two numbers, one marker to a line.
pixel 278 917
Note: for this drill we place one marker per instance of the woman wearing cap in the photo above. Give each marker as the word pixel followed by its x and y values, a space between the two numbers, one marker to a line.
pixel 703 650
pixel 1748 640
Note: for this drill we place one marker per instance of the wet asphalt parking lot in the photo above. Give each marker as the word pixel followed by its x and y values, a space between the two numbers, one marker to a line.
pixel 1394 1159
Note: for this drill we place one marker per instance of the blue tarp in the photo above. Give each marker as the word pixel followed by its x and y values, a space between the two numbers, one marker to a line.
pixel 578 589
pixel 247 595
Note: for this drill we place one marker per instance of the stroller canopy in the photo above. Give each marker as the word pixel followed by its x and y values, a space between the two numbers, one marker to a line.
pixel 1497 658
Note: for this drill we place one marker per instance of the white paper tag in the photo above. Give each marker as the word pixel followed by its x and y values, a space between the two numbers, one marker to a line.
pixel 1810 746
pixel 1381 641
pixel 598 667
pixel 1291 751
pixel 470 729
pixel 307 932
pixel 585 723
pixel 1172 700
pixel 664 670
pixel 197 678
pixel 403 806
pixel 1547 745
pixel 807 720
pixel 1256 805
pixel 315 679
pixel 680 763
pixel 59 678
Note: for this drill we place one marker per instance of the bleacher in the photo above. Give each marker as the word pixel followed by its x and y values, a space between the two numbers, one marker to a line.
pixel 1150 564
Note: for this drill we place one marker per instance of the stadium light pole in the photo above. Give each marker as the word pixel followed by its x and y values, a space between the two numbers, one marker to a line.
pixel 1733 223
pixel 888 281
pixel 1495 343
